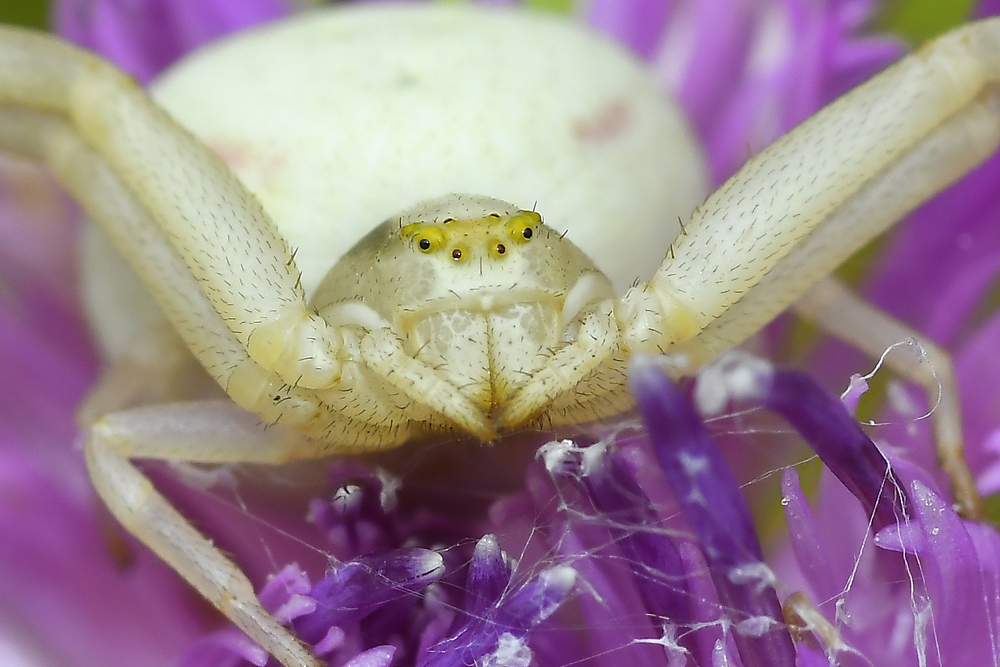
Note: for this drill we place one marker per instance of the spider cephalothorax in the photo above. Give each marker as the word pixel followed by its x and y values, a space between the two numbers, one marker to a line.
pixel 487 298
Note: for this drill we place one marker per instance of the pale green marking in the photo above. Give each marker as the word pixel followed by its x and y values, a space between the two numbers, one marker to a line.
pixel 559 6
pixel 920 20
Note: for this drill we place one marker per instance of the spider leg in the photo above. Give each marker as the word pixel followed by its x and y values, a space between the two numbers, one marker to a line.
pixel 383 352
pixel 815 196
pixel 594 344
pixel 214 432
pixel 363 420
pixel 840 312
pixel 49 139
pixel 154 367
pixel 217 229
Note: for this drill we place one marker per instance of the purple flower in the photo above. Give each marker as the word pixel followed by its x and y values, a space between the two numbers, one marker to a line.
pixel 145 37
pixel 632 544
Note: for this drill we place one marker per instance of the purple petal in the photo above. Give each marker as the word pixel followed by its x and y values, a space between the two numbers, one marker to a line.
pixel 228 648
pixel 836 437
pixel 717 513
pixel 638 23
pixel 330 642
pixel 722 34
pixel 612 607
pixel 284 595
pixel 535 601
pixel 58 573
pixel 810 658
pixel 651 553
pixel 288 584
pixel 380 656
pixel 929 263
pixel 355 589
pixel 820 417
pixel 806 539
pixel 706 606
pixel 625 509
pixel 144 37
pixel 987 8
pixel 950 568
pixel 747 72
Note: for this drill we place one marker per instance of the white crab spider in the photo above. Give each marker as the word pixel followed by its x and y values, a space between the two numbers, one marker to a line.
pixel 521 339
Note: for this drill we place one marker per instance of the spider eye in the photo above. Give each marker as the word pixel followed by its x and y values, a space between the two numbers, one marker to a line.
pixel 456 254
pixel 497 249
pixel 428 243
pixel 427 238
pixel 521 227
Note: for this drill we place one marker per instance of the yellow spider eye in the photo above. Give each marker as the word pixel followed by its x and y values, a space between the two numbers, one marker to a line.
pixel 522 227
pixel 427 238
pixel 498 248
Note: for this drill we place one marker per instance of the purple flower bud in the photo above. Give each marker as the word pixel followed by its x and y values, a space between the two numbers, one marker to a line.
pixel 353 590
pixel 489 577
pixel 499 635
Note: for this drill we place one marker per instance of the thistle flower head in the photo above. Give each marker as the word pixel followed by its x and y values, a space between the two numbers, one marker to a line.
pixel 630 543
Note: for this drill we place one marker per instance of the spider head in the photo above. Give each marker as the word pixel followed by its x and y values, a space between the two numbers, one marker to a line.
pixel 472 252
pixel 479 290
pixel 458 253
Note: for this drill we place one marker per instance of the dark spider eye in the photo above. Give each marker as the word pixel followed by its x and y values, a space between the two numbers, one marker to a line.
pixel 456 254
pixel 501 249
pixel 521 227
pixel 424 244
